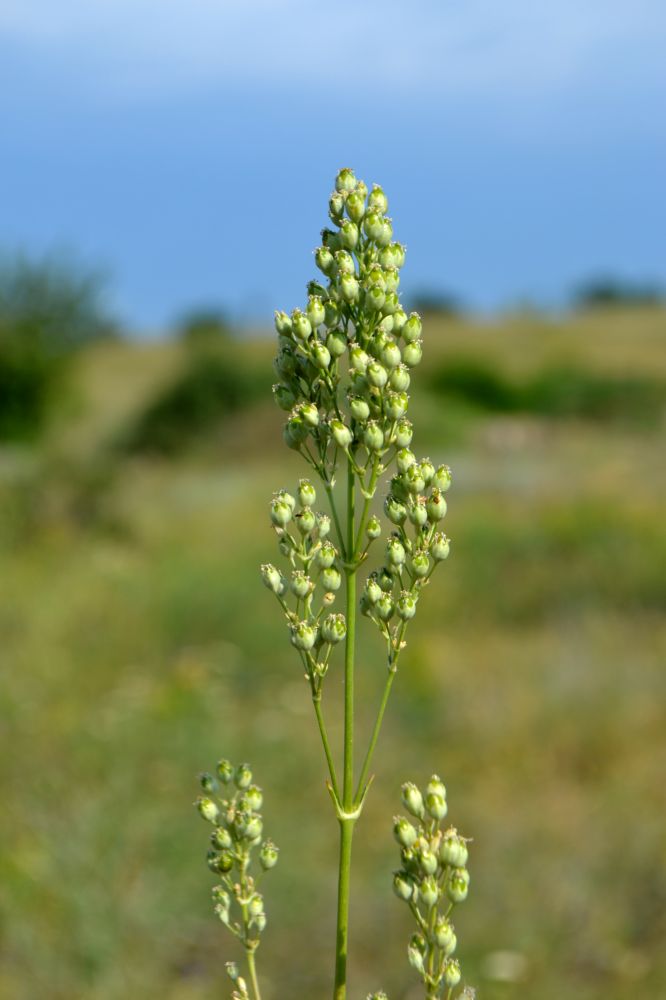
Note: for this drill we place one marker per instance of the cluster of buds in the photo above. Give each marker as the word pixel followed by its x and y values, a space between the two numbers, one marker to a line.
pixel 432 879
pixel 308 591
pixel 231 803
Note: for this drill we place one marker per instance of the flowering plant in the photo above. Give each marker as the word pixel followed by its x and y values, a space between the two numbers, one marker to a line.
pixel 344 367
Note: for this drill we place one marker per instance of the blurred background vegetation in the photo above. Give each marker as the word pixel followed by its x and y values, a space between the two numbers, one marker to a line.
pixel 138 646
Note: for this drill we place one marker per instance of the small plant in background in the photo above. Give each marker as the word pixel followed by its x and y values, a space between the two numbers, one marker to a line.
pixel 344 365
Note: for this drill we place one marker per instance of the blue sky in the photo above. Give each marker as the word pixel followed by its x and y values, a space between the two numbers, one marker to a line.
pixel 189 147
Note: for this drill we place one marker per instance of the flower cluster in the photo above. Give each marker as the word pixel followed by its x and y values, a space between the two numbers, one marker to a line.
pixel 238 828
pixel 432 880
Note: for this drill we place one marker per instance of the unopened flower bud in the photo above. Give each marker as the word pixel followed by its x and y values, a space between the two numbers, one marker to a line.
pixel 412 353
pixel 436 506
pixel 404 433
pixel 300 324
pixel 415 953
pixel 412 799
pixel 377 199
pixel 413 479
pixel 404 832
pixel 300 584
pixel 280 512
pixel 395 405
pixel 403 886
pixel 323 525
pixel 457 886
pixel 336 206
pixel 341 434
pixel 221 839
pixel 330 579
pixel 345 263
pixel 395 552
pixel 395 510
pixel 400 378
pixel 375 297
pixel 272 578
pixel 384 607
pixel 359 408
pixel 331 314
pixel 355 205
pixel 374 527
pixel 442 478
pixel 416 511
pixel 349 287
pixel 406 606
pixel 439 547
pixel 326 555
pixel 207 808
pixel 268 855
pixel 445 936
pixel 429 891
pixel 452 973
pixel 333 628
pixel 336 343
pixel 315 311
pixel 225 771
pixel 453 849
pixel 436 805
pixel 325 260
pixel 321 356
pixel 282 323
pixel 377 374
pixel 373 436
pixel 346 180
pixel 411 331
pixel 349 234
pixel 243 776
pixel 419 565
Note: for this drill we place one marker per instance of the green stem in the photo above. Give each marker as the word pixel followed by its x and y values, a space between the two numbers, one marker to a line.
pixel 347 823
pixel 316 701
pixel 375 736
pixel 336 519
pixel 253 973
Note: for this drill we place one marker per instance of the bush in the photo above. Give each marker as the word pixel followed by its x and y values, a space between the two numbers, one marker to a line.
pixel 47 312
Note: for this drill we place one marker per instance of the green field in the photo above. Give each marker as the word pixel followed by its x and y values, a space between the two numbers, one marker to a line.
pixel 138 646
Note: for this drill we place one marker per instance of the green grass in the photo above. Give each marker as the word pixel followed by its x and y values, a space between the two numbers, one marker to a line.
pixel 138 645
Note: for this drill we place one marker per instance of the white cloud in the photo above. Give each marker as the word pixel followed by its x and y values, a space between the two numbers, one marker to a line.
pixel 524 48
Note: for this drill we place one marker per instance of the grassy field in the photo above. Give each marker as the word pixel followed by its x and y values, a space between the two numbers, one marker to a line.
pixel 138 646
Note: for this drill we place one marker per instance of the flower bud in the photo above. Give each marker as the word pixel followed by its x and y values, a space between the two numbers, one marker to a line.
pixel 306 520
pixel 452 973
pixel 300 584
pixel 349 287
pixel 442 478
pixel 321 356
pixel 336 343
pixel 404 433
pixel 436 506
pixel 330 579
pixel 372 590
pixel 207 809
pixel 221 839
pixel 243 776
pixel 429 891
pixel 399 320
pixel 256 905
pixel 295 430
pixel 412 353
pixel 355 205
pixel 439 547
pixel 254 798
pixel 303 636
pixel 375 297
pixel 325 260
pixel 333 628
pixel 384 607
pixel 280 512
pixel 326 555
pixel 260 922
pixel 323 525
pixel 373 436
pixel 377 199
pixel 282 323
pixel 413 479
pixel 390 354
pixel 406 606
pixel 436 805
pixel 272 578
pixel 419 565
pixel 424 857
pixel 358 359
pixel 411 331
pixel 359 408
pixel 453 849
pixel 373 224
pixel 331 314
pixel 395 510
pixel 403 886
pixel 385 579
pixel 208 783
pixel 345 263
pixel 341 434
pixel 336 206
pixel 220 862
pixel 284 397
pixel 457 886
pixel 392 279
pixel 412 799
pixel 404 832
pixel 376 375
pixel 415 953
pixel 427 471
pixel 349 234
pixel 445 937
pixel 416 511
pixel 315 311
pixel 346 180
pixel 300 324
pixel 395 405
pixel 395 552
pixel 374 528
pixel 225 771
pixel 268 855
pixel 386 233
pixel 385 325
pixel 391 304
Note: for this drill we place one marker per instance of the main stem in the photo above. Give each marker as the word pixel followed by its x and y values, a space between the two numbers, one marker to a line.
pixel 347 822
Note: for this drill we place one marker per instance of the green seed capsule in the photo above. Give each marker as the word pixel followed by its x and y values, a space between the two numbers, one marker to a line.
pixel 349 288
pixel 300 584
pixel 442 478
pixel 406 606
pixel 341 434
pixel 336 206
pixel 404 832
pixel 439 547
pixel 282 322
pixel 436 805
pixel 392 279
pixel 395 552
pixel 225 771
pixel 323 526
pixel 377 375
pixel 373 436
pixel 384 607
pixel 452 973
pixel 412 353
pixel 321 356
pixel 403 886
pixel 355 205
pixel 412 799
pixel 307 495
pixel 390 354
pixel 395 405
pixel 325 260
pixel 413 479
pixel 415 953
pixel 416 511
pixel 453 850
pixel 207 809
pixel 268 855
pixel 280 512
pixel 404 433
pixel 284 397
pixel 256 905
pixel 359 408
pixel 391 304
pixel 386 233
pixel 345 181
pixel 303 636
pixel 411 331
pixel 429 891
pixel 385 579
pixel 208 783
pixel 385 325
pixel 331 579
pixel 457 886
pixel 395 510
pixel 372 590
pixel 326 555
pixel 315 311
pixel 243 776
pixel 331 314
pixel 419 565
pixel 427 471
pixel 373 224
pixel 220 862
pixel 349 234
pixel 336 343
pixel 405 459
pixel 436 506
pixel 445 937
pixel 253 828
pixel 377 199
pixel 375 296
pixel 272 578
pixel 300 324
pixel 333 628
pixel 374 527
pixel 345 263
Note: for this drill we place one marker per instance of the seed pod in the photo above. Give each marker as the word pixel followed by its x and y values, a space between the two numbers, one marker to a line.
pixel 208 809
pixel 345 263
pixel 225 771
pixel 395 405
pixel 341 434
pixel 377 199
pixel 395 552
pixel 457 885
pixel 323 525
pixel 331 579
pixel 411 331
pixel 399 320
pixel 374 527
pixel 413 479
pixel 373 224
pixel 359 408
pixel 429 891
pixel 395 510
pixel 406 606
pixel 452 973
pixel 272 578
pixel 303 635
pixel 345 180
pixel 243 776
pixel 325 260
pixel 453 850
pixel 442 478
pixel 412 353
pixel 436 805
pixel 400 378
pixel 300 584
pixel 336 344
pixel 326 555
pixel 404 433
pixel 349 288
pixel 372 590
pixel 416 511
pixel 403 886
pixel 300 324
pixel 445 937
pixel 436 506
pixel 419 565
pixel 268 855
pixel 282 323
pixel 412 799
pixel 373 436
pixel 355 205
pixel 306 520
pixel 404 832
pixel 384 607
pixel 349 234
pixel 307 495
pixel 333 628
pixel 284 397
pixel 377 374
